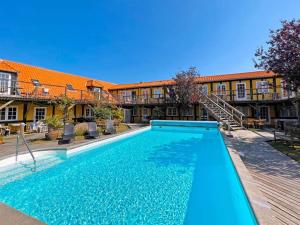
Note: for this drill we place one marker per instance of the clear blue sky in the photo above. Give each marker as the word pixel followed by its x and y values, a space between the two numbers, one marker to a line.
pixel 126 41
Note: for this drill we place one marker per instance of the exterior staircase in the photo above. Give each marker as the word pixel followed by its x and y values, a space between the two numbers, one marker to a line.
pixel 222 111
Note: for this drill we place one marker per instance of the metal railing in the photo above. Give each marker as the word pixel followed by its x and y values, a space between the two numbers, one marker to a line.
pixel 43 91
pixel 229 96
pixel 236 114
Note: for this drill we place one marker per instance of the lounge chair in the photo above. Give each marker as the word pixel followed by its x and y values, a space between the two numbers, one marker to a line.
pixel 68 134
pixel 109 127
pixel 92 130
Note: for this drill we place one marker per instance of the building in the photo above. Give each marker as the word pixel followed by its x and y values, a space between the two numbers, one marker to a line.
pixel 27 94
pixel 259 94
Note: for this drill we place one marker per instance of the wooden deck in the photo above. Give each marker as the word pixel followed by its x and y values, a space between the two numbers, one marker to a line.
pixel 276 175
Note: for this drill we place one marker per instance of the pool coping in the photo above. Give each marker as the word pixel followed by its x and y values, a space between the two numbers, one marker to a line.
pixel 258 202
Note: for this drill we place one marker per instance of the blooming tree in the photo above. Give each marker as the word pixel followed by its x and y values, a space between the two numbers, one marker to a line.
pixel 186 88
pixel 283 53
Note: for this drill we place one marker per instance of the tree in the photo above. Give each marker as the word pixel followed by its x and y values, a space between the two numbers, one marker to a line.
pixel 186 88
pixel 283 55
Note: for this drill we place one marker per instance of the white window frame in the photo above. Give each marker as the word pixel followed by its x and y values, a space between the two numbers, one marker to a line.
pixel 204 89
pixel 34 114
pixel 8 82
pixel 172 110
pixel 222 92
pixel 157 93
pixel 262 87
pixel 237 91
pixel 90 114
pixel 6 113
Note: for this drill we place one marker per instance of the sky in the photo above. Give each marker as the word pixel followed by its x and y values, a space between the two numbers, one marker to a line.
pixel 124 41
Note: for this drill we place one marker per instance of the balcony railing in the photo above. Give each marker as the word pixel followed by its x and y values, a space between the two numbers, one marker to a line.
pixel 27 90
pixel 236 96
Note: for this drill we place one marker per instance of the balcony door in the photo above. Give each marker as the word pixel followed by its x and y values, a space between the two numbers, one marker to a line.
pixel 5 83
pixel 241 91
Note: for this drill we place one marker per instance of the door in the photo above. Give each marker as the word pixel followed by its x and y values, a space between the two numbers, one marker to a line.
pixel 241 91
pixel 127 115
pixel 264 113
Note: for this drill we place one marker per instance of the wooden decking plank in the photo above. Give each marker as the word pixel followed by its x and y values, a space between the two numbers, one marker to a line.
pixel 296 200
pixel 288 182
pixel 293 191
pixel 289 208
pixel 278 210
pixel 286 199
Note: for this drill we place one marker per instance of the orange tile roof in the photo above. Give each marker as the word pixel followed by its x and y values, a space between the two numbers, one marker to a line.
pixel 54 81
pixel 201 79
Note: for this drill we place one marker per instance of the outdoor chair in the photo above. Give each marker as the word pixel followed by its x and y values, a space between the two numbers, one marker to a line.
pixel 250 123
pixel 109 127
pixel 261 123
pixel 68 134
pixel 4 130
pixel 92 130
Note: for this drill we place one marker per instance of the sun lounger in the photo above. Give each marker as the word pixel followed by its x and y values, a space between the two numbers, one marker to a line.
pixel 109 127
pixel 92 130
pixel 68 134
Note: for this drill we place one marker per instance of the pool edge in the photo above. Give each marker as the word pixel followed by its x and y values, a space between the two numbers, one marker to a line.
pixel 257 200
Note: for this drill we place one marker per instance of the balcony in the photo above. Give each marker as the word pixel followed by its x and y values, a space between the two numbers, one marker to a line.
pixel 233 96
pixel 26 91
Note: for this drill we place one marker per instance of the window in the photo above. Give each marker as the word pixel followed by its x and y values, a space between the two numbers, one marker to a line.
pixel 145 112
pixel 9 113
pixel 262 87
pixel 241 90
pixel 171 111
pixel 187 112
pixel 36 83
pixel 157 93
pixel 4 82
pixel 221 89
pixel 2 114
pixel 89 112
pixel 145 93
pixel 70 87
pixel 39 113
pixel 204 89
pixel 97 89
pixel 126 96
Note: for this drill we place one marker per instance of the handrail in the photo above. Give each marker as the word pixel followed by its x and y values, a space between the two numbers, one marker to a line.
pixel 25 142
pixel 227 104
pixel 224 110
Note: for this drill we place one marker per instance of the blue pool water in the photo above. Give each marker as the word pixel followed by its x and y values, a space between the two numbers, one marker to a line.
pixel 164 175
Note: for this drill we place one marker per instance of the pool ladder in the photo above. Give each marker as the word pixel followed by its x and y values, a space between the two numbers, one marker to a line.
pixel 25 142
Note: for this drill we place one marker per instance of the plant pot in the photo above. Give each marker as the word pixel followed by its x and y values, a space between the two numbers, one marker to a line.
pixel 52 134
pixel 1 140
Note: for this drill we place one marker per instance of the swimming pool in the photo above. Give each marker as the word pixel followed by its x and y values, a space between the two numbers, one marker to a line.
pixel 171 173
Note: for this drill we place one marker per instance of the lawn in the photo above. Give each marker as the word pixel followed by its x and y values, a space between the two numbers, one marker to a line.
pixel 286 149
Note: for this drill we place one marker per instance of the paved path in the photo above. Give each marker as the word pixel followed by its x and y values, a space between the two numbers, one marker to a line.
pixel 277 176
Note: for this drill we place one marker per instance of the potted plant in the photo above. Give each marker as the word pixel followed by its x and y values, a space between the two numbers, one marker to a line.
pixel 1 139
pixel 53 123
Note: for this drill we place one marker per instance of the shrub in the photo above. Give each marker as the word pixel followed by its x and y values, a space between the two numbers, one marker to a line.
pixel 102 113
pixel 54 122
pixel 81 129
